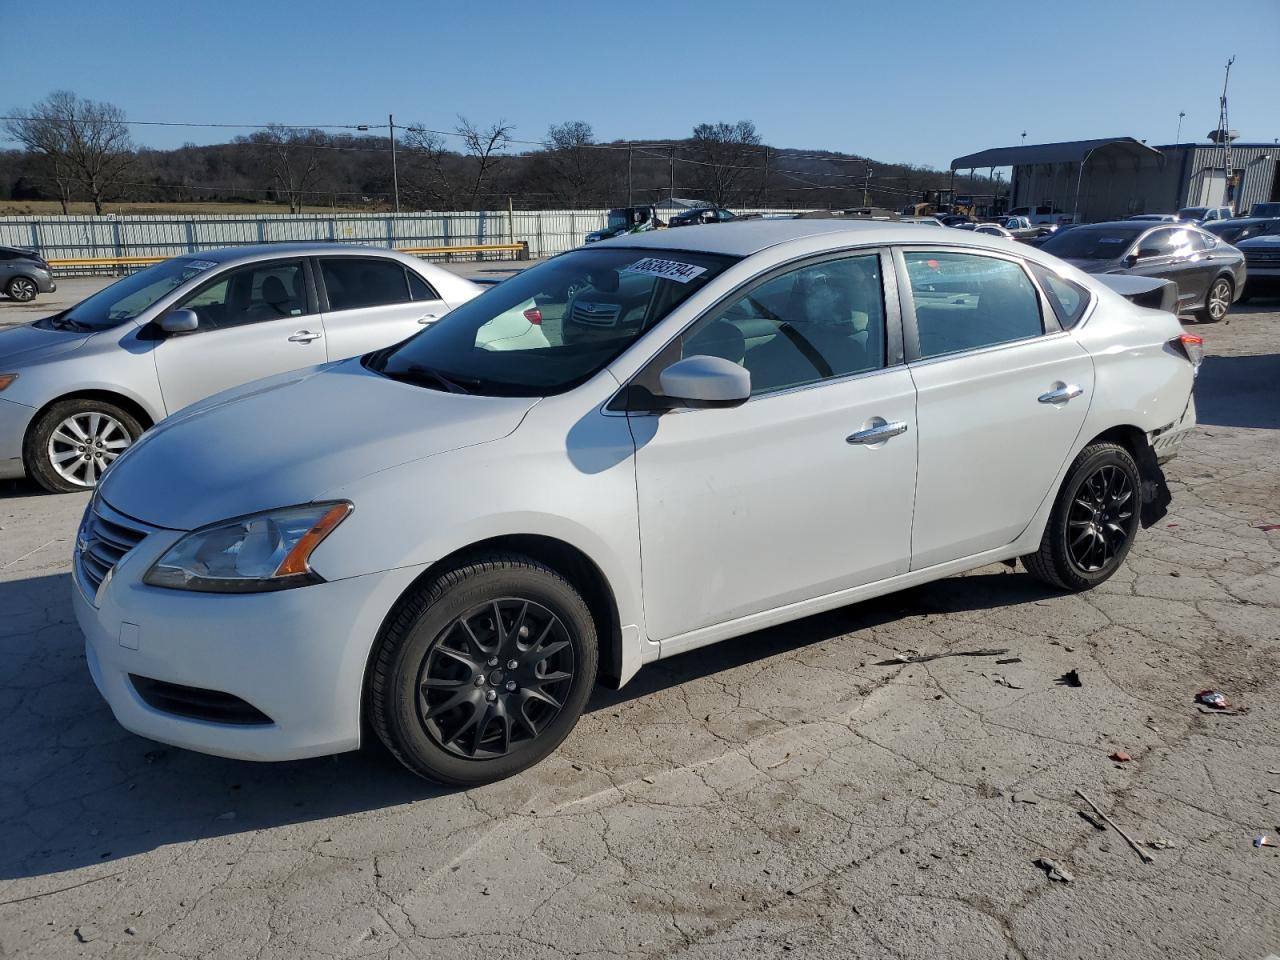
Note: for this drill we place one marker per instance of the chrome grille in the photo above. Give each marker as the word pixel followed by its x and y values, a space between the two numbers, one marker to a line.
pixel 106 536
pixel 595 314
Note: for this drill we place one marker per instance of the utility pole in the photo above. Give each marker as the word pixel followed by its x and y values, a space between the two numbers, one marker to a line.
pixel 764 182
pixel 866 188
pixel 395 173
pixel 1178 137
pixel 1224 135
pixel 628 174
pixel 673 173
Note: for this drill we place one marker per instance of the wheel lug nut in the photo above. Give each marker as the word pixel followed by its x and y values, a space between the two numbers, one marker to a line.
pixel 524 631
pixel 480 680
pixel 493 661
pixel 511 686
pixel 512 664
pixel 491 695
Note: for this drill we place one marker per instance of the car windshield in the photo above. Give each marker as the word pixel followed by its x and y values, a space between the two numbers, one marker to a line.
pixel 1093 243
pixel 552 327
pixel 1192 213
pixel 125 299
pixel 1265 210
pixel 619 218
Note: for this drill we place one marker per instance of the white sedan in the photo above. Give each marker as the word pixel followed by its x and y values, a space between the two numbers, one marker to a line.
pixel 717 431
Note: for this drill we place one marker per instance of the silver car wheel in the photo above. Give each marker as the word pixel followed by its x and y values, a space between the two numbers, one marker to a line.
pixel 1219 299
pixel 22 289
pixel 84 445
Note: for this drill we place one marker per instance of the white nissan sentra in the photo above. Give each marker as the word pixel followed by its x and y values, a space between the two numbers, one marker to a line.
pixel 718 430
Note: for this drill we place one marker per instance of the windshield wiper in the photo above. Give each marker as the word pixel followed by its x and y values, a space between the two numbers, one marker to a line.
pixel 60 321
pixel 425 376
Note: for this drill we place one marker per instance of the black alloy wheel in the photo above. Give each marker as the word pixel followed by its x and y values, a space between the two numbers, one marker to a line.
pixel 1100 521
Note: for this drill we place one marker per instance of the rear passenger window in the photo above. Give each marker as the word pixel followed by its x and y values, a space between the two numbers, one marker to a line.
pixel 968 301
pixel 352 282
pixel 419 288
pixel 1068 298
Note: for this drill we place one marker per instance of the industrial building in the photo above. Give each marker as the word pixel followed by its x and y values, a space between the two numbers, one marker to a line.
pixel 1115 177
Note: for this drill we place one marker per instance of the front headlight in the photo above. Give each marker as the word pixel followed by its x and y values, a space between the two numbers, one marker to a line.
pixel 266 551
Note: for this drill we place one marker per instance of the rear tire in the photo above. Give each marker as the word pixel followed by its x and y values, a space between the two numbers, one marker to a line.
pixel 72 442
pixel 22 289
pixel 483 671
pixel 1094 520
pixel 1217 301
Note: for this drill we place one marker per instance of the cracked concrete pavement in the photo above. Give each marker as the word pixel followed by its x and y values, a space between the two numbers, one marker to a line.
pixel 780 793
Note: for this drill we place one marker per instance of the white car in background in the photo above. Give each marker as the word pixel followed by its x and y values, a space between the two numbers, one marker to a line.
pixel 77 388
pixel 725 430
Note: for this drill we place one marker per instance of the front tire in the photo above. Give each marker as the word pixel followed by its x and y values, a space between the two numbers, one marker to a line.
pixel 1094 520
pixel 483 671
pixel 74 441
pixel 1217 301
pixel 22 289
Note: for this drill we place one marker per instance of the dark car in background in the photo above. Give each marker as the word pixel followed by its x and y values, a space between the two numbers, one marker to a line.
pixel 688 218
pixel 1262 254
pixel 1270 209
pixel 1242 228
pixel 23 274
pixel 1210 274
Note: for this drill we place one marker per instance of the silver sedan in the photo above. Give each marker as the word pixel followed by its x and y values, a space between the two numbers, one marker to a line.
pixel 77 388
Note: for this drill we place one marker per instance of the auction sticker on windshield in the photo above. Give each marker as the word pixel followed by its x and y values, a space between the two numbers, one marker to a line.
pixel 666 269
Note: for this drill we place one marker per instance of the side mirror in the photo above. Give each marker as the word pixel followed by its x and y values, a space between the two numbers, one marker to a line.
pixel 702 382
pixel 180 321
pixel 1131 260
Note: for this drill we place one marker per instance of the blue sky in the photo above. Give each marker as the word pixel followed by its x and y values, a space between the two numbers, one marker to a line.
pixel 920 82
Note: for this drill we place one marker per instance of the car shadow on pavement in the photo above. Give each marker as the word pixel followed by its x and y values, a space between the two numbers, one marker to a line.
pixel 77 790
pixel 1239 391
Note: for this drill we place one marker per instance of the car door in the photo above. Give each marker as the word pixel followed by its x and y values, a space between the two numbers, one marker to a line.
pixel 805 489
pixel 1166 254
pixel 255 321
pixel 1002 393
pixel 372 302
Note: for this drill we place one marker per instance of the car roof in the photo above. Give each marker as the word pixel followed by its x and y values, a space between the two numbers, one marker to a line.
pixel 310 248
pixel 746 237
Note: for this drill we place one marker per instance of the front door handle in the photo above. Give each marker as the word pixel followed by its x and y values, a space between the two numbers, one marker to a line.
pixel 429 318
pixel 304 336
pixel 879 433
pixel 1062 394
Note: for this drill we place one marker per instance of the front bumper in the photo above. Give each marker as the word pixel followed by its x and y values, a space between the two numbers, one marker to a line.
pixel 15 418
pixel 298 655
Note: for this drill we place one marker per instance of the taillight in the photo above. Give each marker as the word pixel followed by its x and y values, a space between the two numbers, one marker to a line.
pixel 1190 346
pixel 534 316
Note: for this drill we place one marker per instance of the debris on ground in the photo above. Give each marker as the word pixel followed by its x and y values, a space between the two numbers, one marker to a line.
pixel 1142 854
pixel 1268 527
pixel 1161 843
pixel 1092 820
pixel 1121 757
pixel 1054 869
pixel 1070 679
pixel 90 934
pixel 1262 840
pixel 1025 798
pixel 1213 699
pixel 1004 681
pixel 1010 660
pixel 926 657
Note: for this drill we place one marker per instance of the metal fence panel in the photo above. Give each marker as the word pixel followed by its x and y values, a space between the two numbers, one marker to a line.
pixel 547 232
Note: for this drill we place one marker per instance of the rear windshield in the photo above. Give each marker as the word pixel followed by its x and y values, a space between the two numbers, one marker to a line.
pixel 1192 213
pixel 1093 243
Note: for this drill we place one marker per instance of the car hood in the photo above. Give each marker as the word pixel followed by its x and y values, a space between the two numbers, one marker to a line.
pixel 287 439
pixel 1264 242
pixel 27 343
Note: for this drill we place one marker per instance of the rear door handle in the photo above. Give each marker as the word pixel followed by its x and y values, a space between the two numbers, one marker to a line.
pixel 304 336
pixel 1062 394
pixel 878 433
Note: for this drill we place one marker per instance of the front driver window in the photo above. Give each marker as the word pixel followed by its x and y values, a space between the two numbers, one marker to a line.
pixel 263 291
pixel 818 322
pixel 966 302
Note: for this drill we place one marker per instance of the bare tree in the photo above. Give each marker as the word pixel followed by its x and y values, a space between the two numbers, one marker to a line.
pixel 293 158
pixel 573 161
pixel 82 142
pixel 724 152
pixel 426 177
pixel 484 147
